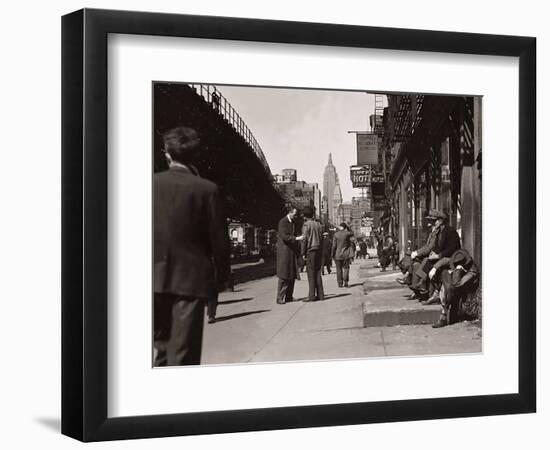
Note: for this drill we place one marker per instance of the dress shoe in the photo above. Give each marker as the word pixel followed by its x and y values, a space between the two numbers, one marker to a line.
pixel 404 280
pixel 290 300
pixel 346 284
pixel 433 300
pixel 440 323
pixel 281 302
pixel 211 319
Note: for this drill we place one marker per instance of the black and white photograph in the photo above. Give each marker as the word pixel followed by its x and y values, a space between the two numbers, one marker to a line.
pixel 299 224
pixel 275 225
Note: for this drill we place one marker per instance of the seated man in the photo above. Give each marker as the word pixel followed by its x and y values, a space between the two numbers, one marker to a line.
pixel 388 251
pixel 411 263
pixel 459 276
pixel 446 243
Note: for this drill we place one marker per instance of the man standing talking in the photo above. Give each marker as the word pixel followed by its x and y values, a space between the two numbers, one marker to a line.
pixel 312 233
pixel 287 252
pixel 191 251
pixel 342 251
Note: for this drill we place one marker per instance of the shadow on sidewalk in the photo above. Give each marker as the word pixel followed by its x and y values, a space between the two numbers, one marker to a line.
pixel 332 296
pixel 236 316
pixel 238 300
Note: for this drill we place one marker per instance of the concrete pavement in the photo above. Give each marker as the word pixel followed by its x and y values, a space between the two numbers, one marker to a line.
pixel 251 327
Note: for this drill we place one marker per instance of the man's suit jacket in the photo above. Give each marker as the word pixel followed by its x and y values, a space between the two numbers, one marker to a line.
pixel 312 232
pixel 191 249
pixel 342 247
pixel 447 242
pixel 429 245
pixel 327 249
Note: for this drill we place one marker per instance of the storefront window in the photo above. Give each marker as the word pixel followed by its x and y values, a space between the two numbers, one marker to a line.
pixel 445 199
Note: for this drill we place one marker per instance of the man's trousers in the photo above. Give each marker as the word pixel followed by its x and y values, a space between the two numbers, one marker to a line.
pixel 342 271
pixel 178 326
pixel 315 281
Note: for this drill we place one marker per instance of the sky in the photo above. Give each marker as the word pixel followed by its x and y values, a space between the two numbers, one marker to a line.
pixel 298 128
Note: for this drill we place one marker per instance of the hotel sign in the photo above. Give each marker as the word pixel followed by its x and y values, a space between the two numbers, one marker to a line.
pixel 367 149
pixel 360 176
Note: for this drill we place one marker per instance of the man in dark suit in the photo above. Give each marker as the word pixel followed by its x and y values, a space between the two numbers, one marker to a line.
pixel 446 243
pixel 342 252
pixel 459 276
pixel 411 263
pixel 191 251
pixel 327 253
pixel 287 254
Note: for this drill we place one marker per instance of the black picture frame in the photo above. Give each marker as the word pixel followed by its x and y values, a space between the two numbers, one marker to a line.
pixel 84 224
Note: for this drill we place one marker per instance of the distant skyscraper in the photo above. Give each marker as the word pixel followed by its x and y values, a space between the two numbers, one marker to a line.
pixel 332 191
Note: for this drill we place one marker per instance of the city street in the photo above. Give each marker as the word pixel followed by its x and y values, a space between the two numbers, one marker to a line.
pixel 346 172
pixel 251 327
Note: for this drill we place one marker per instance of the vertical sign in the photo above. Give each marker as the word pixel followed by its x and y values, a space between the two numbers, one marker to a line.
pixel 367 149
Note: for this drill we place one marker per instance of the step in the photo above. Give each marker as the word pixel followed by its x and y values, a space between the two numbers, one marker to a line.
pixel 373 271
pixel 385 305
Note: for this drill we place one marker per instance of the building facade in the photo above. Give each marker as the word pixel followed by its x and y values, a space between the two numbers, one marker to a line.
pixel 433 148
pixel 344 213
pixel 299 193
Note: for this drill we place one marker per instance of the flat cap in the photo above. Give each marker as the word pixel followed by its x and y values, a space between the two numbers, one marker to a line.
pixel 436 214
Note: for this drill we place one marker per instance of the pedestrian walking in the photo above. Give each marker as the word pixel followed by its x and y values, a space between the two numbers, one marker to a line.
pixel 287 257
pixel 342 253
pixel 211 308
pixel 363 249
pixel 191 251
pixel 312 233
pixel 327 253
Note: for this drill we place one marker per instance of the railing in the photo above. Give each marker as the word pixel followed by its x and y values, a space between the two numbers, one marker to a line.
pixel 219 103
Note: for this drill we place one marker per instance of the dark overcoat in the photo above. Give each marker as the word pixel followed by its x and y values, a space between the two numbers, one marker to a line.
pixel 327 251
pixel 287 251
pixel 191 249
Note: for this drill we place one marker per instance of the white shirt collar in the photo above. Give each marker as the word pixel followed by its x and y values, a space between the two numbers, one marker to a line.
pixel 189 167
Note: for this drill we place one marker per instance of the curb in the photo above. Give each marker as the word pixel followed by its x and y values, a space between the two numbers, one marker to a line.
pixel 373 317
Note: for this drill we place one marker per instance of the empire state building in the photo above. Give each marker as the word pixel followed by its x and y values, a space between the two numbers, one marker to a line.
pixel 331 190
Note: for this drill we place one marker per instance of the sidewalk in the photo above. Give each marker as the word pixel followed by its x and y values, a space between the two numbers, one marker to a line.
pixel 251 327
